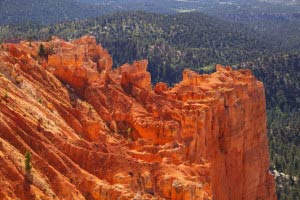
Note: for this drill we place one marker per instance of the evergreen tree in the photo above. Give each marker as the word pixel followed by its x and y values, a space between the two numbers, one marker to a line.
pixel 28 166
pixel 42 52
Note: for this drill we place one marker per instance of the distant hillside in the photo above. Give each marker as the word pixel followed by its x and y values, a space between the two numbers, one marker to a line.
pixel 47 11
pixel 170 42
pixel 53 11
pixel 277 21
pixel 282 1
pixel 280 22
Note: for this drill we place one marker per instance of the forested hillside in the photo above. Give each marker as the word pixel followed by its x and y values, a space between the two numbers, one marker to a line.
pixel 279 22
pixel 281 76
pixel 170 42
pixel 276 20
pixel 47 11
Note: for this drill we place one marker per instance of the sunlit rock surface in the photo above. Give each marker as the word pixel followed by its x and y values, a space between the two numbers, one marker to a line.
pixel 99 133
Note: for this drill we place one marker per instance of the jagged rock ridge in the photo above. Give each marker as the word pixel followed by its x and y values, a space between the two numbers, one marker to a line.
pixel 99 133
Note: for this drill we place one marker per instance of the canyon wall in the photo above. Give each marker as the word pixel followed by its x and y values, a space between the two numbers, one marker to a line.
pixel 100 133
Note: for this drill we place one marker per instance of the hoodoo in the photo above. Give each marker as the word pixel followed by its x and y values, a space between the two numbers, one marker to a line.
pixel 100 133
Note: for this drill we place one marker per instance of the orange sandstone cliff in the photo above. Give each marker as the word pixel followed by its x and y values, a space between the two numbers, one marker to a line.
pixel 100 133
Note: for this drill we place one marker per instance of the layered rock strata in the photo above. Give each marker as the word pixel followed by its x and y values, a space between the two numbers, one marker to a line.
pixel 100 133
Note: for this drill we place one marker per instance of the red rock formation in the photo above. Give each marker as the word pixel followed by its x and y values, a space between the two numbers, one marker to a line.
pixel 98 133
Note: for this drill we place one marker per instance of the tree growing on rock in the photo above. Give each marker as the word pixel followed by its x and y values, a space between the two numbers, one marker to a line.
pixel 42 52
pixel 28 166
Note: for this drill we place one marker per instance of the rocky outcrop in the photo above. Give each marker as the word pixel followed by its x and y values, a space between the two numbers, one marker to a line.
pixel 101 133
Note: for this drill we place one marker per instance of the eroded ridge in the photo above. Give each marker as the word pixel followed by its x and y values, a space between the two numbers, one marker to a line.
pixel 101 133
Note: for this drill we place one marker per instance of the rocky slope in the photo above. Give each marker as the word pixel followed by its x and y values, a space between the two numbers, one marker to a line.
pixel 99 133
